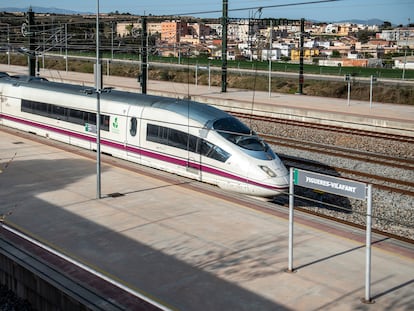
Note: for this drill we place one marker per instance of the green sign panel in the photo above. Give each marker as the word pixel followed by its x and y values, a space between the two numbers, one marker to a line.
pixel 330 184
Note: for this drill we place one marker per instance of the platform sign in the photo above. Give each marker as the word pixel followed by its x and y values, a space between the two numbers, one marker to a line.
pixel 326 183
pixel 335 185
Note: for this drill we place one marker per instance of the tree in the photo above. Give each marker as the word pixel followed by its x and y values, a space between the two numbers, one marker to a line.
pixel 386 25
pixel 129 28
pixel 364 35
pixel 336 54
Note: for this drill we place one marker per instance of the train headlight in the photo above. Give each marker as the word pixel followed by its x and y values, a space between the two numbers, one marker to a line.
pixel 268 171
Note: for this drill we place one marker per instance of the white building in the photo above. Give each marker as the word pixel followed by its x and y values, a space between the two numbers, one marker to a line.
pixel 400 61
pixel 284 48
pixel 273 54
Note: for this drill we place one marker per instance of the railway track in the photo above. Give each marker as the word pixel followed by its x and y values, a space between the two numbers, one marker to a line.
pixel 330 128
pixel 389 174
pixel 370 157
pixel 379 182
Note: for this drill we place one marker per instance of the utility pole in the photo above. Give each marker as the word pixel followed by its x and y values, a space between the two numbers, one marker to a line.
pixel 302 33
pixel 144 55
pixel 269 55
pixel 406 48
pixel 31 33
pixel 224 46
pixel 98 86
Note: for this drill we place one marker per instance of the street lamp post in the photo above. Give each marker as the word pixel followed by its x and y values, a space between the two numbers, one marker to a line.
pixel 405 52
pixel 98 87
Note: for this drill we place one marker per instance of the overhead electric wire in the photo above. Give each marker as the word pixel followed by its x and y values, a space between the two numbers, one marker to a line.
pixel 261 7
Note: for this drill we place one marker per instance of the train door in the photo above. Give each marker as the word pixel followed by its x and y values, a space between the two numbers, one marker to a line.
pixel 133 143
pixel 194 158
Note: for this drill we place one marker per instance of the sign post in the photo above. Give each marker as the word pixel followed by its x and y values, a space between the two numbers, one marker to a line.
pixel 339 186
pixel 291 200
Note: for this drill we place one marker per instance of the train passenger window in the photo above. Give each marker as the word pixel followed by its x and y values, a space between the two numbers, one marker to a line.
pixel 104 122
pixel 205 147
pixel 41 109
pixel 76 116
pixel 185 141
pixel 219 154
pixel 62 113
pixel 192 143
pixel 91 117
pixel 177 139
pixel 26 106
pixel 212 151
pixel 58 112
pixel 153 133
pixel 133 127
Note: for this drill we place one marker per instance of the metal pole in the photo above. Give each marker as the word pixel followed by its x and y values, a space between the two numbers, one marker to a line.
pixel 8 44
pixel 44 47
pixel 270 58
pixel 302 34
pixel 112 40
pixel 209 75
pixel 98 85
pixel 144 56
pixel 349 92
pixel 31 34
pixel 368 247
pixel 224 46
pixel 405 52
pixel 370 92
pixel 291 202
pixel 66 46
pixel 196 74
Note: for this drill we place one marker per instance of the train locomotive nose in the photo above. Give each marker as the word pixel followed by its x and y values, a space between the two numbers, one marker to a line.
pixel 268 179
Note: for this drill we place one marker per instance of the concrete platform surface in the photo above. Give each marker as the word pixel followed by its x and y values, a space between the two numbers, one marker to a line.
pixel 188 250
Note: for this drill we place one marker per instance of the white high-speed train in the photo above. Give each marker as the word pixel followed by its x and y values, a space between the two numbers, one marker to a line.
pixel 179 136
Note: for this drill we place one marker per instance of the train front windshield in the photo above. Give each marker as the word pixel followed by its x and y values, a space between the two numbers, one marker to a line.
pixel 238 133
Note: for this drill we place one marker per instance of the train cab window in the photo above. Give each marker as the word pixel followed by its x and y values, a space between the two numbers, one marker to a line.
pixel 252 143
pixel 133 127
pixel 231 128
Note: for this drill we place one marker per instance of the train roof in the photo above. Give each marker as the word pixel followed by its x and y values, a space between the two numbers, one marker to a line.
pixel 197 111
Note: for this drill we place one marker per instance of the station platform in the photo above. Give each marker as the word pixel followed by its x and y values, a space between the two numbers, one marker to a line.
pixel 188 249
pixel 375 116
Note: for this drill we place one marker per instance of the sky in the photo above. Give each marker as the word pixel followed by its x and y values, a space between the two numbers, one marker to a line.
pixel 394 11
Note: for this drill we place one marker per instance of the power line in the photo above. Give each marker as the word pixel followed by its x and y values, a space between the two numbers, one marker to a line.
pixel 257 7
